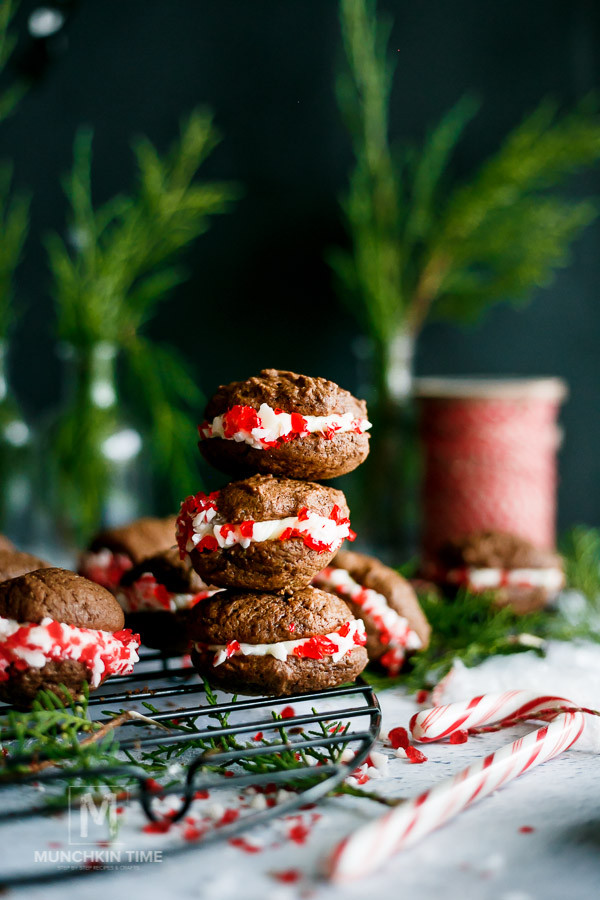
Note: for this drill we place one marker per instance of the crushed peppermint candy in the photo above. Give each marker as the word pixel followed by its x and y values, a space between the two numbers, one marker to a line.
pixel 146 594
pixel 335 645
pixel 398 737
pixel 394 631
pixel 105 567
pixel 24 646
pixel 268 427
pixel 201 527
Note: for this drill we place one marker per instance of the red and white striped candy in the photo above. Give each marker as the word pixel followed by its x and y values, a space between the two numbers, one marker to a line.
pixel 371 845
pixel 441 721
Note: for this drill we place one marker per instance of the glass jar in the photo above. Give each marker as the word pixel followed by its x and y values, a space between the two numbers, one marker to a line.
pixel 383 492
pixel 95 469
pixel 17 462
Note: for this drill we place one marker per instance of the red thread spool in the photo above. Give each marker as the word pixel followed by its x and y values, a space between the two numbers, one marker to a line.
pixel 489 457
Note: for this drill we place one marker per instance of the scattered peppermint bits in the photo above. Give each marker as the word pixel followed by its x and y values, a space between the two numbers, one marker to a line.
pixel 245 845
pixel 299 833
pixel 287 876
pixel 459 737
pixel 526 829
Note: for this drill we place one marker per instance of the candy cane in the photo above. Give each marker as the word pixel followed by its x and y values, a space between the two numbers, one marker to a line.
pixel 439 722
pixel 371 845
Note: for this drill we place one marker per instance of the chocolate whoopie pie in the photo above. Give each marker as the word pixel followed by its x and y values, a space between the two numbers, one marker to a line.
pixel 386 603
pixel 517 573
pixel 276 644
pixel 14 563
pixel 57 628
pixel 281 423
pixel 264 533
pixel 157 596
pixel 115 550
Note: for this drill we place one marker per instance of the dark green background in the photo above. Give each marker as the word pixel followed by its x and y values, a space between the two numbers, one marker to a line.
pixel 259 292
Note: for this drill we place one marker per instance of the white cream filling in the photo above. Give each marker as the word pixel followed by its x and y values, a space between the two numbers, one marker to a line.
pixel 340 581
pixel 320 529
pixel 276 425
pixel 484 579
pixel 282 649
pixel 40 644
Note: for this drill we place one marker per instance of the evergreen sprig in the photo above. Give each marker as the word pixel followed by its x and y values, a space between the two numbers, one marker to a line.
pixel 120 265
pixel 424 245
pixel 468 628
pixel 58 731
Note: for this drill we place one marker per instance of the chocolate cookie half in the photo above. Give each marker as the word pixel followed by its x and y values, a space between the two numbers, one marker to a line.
pixel 506 565
pixel 386 603
pixel 264 533
pixel 255 643
pixel 281 423
pixel 115 550
pixel 14 563
pixel 57 628
pixel 157 597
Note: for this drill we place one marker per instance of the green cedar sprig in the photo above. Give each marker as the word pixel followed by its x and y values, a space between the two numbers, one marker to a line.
pixel 467 628
pixel 120 265
pixel 424 245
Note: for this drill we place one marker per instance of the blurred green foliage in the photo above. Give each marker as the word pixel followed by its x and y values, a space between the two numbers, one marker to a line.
pixel 118 266
pixel 423 245
pixel 14 208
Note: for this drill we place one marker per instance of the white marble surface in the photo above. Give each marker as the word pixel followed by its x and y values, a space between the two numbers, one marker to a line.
pixel 481 854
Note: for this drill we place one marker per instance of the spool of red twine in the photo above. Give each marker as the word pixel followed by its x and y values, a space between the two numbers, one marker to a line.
pixel 489 457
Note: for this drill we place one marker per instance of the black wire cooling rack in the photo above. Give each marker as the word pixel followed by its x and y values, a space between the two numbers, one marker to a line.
pixel 165 682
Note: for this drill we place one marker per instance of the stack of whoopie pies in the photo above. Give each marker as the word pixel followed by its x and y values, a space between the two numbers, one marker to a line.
pixel 269 539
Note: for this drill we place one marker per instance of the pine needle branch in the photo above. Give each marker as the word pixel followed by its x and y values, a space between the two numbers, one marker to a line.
pixel 121 264
pixel 423 244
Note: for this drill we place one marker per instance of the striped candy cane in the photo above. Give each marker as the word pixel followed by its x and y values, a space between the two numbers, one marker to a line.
pixel 441 721
pixel 370 846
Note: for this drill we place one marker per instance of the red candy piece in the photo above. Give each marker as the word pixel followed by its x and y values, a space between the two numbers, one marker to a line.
pixel 299 424
pixel 414 755
pixel 459 737
pixel 247 528
pixel 288 876
pixel 240 418
pixel 398 737
pixel 209 543
pixel 231 648
pixel 229 816
pixel 287 712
